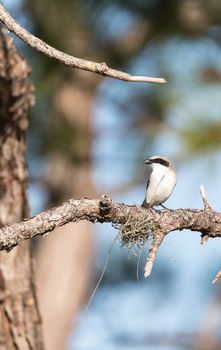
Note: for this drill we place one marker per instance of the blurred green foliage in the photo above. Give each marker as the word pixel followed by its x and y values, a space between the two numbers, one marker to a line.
pixel 202 136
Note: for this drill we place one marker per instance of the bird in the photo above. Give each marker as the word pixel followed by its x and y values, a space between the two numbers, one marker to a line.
pixel 161 180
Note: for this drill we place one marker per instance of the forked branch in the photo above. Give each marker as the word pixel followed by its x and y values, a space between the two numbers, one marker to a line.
pixel 157 223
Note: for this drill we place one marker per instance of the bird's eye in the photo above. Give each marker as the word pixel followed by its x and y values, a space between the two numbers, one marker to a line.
pixel 160 161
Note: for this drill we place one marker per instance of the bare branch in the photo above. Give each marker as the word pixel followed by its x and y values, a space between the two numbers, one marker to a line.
pixel 157 240
pixel 204 236
pixel 218 276
pixel 41 46
pixel 158 223
pixel 204 198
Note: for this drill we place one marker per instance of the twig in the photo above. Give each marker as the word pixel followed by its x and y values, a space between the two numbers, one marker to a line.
pixel 204 198
pixel 204 236
pixel 218 276
pixel 71 61
pixel 157 240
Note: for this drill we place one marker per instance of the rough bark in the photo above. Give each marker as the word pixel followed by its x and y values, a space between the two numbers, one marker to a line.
pixel 20 324
pixel 208 222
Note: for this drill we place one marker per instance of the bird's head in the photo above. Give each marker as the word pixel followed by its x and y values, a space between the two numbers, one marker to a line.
pixel 162 161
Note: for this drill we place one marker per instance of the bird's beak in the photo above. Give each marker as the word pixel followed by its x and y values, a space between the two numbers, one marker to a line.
pixel 147 161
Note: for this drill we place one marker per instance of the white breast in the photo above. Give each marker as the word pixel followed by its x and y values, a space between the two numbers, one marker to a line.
pixel 161 184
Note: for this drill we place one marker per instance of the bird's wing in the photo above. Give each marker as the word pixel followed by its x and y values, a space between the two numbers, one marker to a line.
pixel 149 171
pixel 161 179
pixel 147 205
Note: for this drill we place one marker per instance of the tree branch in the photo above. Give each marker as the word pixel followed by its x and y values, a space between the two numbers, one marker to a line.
pixel 151 223
pixel 41 46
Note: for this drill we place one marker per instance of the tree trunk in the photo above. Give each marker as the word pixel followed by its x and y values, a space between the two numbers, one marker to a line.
pixel 20 323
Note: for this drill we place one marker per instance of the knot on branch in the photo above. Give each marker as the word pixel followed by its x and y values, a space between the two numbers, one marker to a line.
pixel 102 68
pixel 105 204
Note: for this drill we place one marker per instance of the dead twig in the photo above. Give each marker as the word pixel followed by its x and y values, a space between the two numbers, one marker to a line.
pixel 157 240
pixel 204 236
pixel 218 276
pixel 204 198
pixel 68 60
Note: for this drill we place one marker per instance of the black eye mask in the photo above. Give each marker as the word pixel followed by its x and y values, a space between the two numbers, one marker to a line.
pixel 159 161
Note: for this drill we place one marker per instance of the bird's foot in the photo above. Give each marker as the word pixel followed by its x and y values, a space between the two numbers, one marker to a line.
pixel 163 206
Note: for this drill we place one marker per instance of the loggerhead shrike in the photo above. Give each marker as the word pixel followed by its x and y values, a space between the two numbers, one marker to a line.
pixel 161 180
